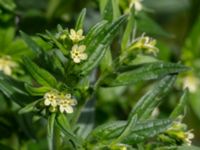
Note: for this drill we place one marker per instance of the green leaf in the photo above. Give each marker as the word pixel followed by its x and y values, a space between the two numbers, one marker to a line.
pixel 179 109
pixel 50 130
pixel 57 43
pixel 186 147
pixel 127 129
pixel 32 44
pixel 128 31
pixel 139 133
pixel 8 4
pixel 106 62
pixel 6 38
pixel 86 119
pixel 29 107
pixel 147 71
pixel 108 11
pixel 37 91
pixel 99 44
pixel 14 90
pixel 42 76
pixel 94 31
pixel 63 124
pixel 151 99
pixel 80 20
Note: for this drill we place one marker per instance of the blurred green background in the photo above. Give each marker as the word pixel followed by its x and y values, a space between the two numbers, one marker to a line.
pixel 174 23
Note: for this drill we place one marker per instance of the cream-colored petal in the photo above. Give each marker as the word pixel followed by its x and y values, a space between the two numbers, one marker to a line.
pixel 80 32
pixel 75 47
pixel 77 60
pixel 54 103
pixel 82 48
pixel 62 109
pixel 84 56
pixel 47 102
pixel 69 109
pixel 7 70
pixel 72 32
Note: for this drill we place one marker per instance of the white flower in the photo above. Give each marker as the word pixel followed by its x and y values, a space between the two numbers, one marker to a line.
pixel 65 104
pixel 51 98
pixel 76 36
pixel 77 53
pixel 7 64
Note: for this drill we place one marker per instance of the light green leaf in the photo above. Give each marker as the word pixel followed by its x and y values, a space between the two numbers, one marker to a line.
pixel 42 76
pixel 128 31
pixel 147 71
pixel 50 130
pixel 179 109
pixel 29 107
pixel 80 20
pixel 8 4
pixel 37 91
pixel 6 38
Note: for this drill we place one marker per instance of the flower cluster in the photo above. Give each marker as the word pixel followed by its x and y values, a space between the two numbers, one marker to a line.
pixel 146 43
pixel 57 100
pixel 177 133
pixel 78 51
pixel 7 64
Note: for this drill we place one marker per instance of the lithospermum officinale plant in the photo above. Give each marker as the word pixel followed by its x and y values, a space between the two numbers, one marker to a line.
pixel 66 74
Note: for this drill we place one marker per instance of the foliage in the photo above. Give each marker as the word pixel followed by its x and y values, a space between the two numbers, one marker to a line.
pixel 61 79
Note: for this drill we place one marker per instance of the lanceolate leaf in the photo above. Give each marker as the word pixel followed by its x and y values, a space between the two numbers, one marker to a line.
pixel 42 76
pixel 147 71
pixel 139 133
pixel 37 91
pixel 179 109
pixel 80 20
pixel 99 44
pixel 29 107
pixel 32 44
pixel 151 99
pixel 14 90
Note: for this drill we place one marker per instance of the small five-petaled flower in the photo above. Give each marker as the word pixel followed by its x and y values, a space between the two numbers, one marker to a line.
pixel 78 53
pixel 64 102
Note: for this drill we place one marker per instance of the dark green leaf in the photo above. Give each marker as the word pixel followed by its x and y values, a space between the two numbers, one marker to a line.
pixel 179 109
pixel 139 133
pixel 32 44
pixel 29 107
pixel 147 71
pixel 42 76
pixel 151 99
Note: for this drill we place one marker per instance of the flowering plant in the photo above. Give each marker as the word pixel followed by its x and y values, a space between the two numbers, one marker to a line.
pixel 65 76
